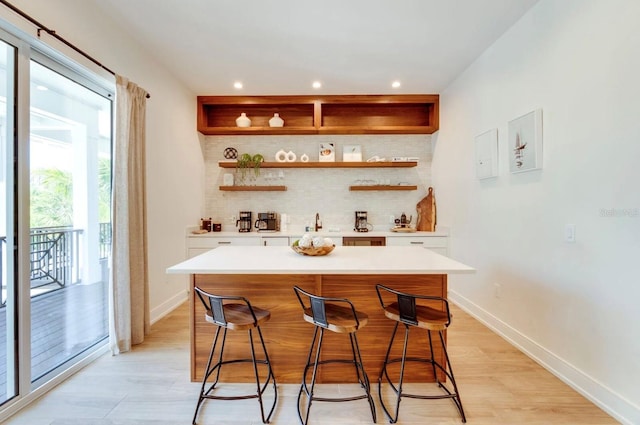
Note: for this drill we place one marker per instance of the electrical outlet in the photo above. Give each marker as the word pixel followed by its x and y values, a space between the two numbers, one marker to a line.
pixel 497 290
pixel 392 219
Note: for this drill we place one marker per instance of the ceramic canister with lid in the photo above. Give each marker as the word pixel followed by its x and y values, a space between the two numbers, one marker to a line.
pixel 243 120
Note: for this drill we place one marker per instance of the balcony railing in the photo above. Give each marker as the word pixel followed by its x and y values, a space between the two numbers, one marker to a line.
pixel 54 257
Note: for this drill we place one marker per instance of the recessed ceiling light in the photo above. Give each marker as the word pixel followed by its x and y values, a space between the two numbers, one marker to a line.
pixel 316 84
pixel 42 88
pixel 237 85
pixel 395 84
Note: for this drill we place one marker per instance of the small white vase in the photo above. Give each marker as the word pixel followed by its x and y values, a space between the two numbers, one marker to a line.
pixel 243 120
pixel 281 156
pixel 276 121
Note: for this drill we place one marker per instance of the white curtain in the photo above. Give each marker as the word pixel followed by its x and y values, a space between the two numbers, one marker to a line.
pixel 129 288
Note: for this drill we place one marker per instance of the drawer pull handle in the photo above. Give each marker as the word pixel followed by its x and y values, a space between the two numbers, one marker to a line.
pixel 224 242
pixel 417 243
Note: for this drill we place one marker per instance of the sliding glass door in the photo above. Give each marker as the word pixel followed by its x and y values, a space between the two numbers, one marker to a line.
pixel 55 217
pixel 70 180
pixel 8 281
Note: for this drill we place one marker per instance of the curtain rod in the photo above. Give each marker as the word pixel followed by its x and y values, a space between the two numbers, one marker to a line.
pixel 52 33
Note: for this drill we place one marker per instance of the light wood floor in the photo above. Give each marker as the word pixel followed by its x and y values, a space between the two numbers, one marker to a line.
pixel 150 385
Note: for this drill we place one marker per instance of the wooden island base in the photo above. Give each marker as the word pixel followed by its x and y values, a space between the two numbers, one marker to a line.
pixel 288 336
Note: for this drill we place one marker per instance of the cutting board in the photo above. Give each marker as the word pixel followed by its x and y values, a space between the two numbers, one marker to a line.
pixel 427 213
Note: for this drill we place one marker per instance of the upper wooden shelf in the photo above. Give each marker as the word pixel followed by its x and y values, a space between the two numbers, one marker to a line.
pixel 331 114
pixel 388 164
pixel 254 188
pixel 383 187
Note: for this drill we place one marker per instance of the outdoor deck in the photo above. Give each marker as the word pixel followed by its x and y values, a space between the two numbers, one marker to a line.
pixel 65 322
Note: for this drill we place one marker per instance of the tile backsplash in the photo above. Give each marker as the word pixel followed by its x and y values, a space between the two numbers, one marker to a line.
pixel 319 190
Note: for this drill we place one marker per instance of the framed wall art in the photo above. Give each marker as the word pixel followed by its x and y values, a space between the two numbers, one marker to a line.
pixel 352 153
pixel 487 154
pixel 327 152
pixel 525 142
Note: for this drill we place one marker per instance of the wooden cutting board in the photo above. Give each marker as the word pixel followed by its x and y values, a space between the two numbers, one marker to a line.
pixel 427 213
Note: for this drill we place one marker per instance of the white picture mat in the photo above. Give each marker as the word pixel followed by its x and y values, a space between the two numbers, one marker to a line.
pixel 487 154
pixel 525 142
pixel 352 153
pixel 326 152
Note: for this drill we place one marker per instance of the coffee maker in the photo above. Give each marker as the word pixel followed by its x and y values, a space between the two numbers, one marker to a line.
pixel 268 222
pixel 361 224
pixel 244 221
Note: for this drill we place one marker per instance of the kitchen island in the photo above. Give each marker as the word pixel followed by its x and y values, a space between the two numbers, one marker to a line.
pixel 266 276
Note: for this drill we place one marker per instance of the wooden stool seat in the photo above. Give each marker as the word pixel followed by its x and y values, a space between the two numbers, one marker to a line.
pixel 239 317
pixel 236 314
pixel 340 319
pixel 410 311
pixel 340 316
pixel 426 317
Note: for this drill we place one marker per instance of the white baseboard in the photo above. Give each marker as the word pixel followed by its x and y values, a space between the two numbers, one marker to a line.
pixel 168 306
pixel 614 404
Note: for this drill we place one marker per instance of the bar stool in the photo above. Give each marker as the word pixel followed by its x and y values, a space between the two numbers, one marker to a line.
pixel 405 310
pixel 340 316
pixel 237 314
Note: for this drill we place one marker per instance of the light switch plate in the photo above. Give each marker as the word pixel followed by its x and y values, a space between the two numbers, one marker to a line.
pixel 569 232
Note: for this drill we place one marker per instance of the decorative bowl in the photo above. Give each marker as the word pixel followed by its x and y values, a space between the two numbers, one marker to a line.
pixel 321 250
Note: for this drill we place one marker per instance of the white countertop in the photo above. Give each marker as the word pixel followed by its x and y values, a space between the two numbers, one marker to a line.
pixel 342 260
pixel 325 233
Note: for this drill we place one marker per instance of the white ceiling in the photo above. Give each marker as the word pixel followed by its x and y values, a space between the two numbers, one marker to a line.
pixel 281 46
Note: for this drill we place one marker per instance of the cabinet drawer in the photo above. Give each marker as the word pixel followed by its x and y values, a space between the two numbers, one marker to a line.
pixel 426 241
pixel 274 241
pixel 216 242
pixel 438 244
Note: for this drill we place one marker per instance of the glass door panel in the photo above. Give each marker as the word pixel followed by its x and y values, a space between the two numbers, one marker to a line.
pixel 70 178
pixel 8 311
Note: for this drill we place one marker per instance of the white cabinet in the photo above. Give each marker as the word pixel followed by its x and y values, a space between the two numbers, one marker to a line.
pixel 200 244
pixel 434 243
pixel 275 241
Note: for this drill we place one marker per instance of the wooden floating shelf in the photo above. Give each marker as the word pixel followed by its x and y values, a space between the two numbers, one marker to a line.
pixel 256 131
pixel 383 187
pixel 387 164
pixel 254 188
pixel 321 114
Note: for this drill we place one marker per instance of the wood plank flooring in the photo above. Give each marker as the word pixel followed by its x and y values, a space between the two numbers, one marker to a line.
pixel 65 322
pixel 150 385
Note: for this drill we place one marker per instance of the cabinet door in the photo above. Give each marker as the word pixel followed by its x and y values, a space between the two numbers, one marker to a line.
pixel 275 241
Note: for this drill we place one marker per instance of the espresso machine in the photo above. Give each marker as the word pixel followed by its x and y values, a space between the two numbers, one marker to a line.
pixel 268 222
pixel 361 224
pixel 244 222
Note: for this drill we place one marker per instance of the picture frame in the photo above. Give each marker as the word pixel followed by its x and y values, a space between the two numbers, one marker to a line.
pixel 487 154
pixel 327 152
pixel 525 142
pixel 352 153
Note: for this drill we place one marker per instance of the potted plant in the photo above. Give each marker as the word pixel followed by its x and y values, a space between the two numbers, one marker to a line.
pixel 247 161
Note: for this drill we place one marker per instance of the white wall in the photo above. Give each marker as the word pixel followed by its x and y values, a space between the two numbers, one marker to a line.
pixel 317 190
pixel 573 306
pixel 175 171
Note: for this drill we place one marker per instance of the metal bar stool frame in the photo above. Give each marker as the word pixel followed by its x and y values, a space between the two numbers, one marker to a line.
pixel 215 313
pixel 318 307
pixel 407 311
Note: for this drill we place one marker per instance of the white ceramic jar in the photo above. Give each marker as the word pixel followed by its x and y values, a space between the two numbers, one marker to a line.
pixel 276 121
pixel 243 120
